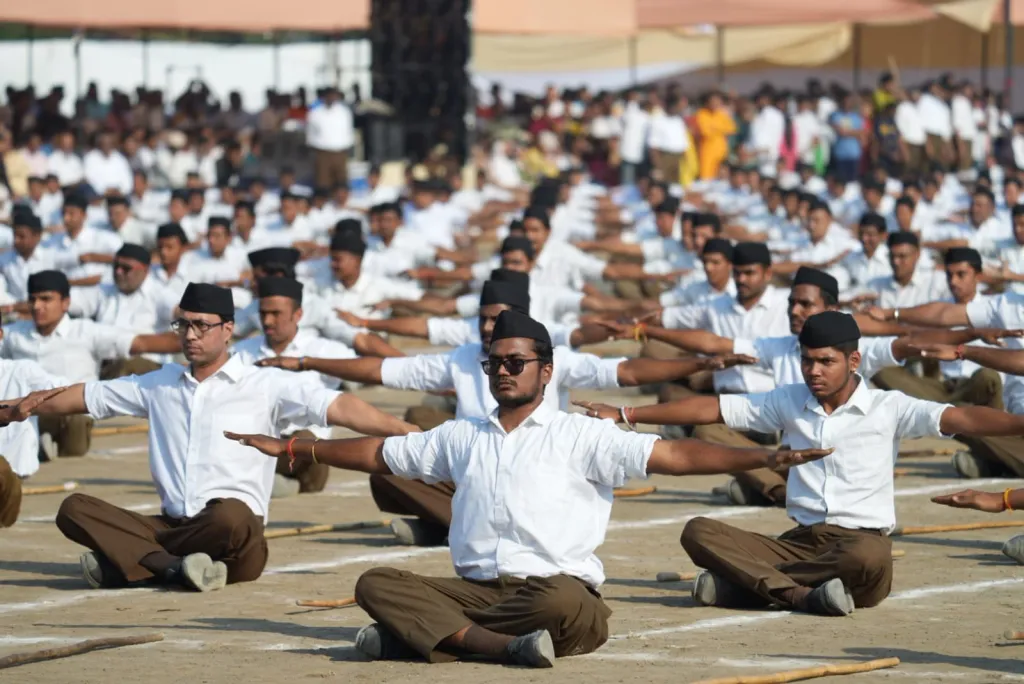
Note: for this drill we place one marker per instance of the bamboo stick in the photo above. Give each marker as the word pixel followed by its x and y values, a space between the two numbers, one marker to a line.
pixel 120 430
pixel 928 529
pixel 340 603
pixel 1013 636
pixel 320 529
pixel 50 489
pixel 938 451
pixel 808 673
pixel 623 493
pixel 690 576
pixel 75 649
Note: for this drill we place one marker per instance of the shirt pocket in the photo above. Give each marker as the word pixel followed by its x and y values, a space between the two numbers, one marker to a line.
pixel 228 461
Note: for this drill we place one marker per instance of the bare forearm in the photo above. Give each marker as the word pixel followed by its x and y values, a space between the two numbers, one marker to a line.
pixel 699 341
pixel 696 457
pixel 935 315
pixel 366 370
pixel 167 343
pixel 980 421
pixel 646 371
pixel 355 414
pixel 410 326
pixel 605 304
pixel 369 344
pixel 430 304
pixel 1003 360
pixel 364 454
pixel 68 402
pixel 699 410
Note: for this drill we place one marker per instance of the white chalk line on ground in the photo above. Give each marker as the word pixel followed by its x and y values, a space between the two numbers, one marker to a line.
pixel 742 620
pixel 138 508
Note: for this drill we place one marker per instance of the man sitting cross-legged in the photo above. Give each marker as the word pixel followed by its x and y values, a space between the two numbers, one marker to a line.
pixel 838 556
pixel 533 494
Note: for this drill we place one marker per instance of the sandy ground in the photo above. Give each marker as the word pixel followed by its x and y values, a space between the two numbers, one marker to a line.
pixel 953 598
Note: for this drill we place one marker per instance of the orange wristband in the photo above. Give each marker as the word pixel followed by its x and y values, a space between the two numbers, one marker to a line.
pixel 291 454
pixel 1006 500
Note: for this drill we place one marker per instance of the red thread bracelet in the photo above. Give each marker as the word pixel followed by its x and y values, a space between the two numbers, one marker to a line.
pixel 960 352
pixel 291 454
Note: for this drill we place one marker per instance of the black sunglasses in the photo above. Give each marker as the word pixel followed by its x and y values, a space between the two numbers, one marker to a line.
pixel 513 365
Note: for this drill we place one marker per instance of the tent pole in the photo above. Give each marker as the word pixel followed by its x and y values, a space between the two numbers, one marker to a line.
pixel 277 62
pixel 632 61
pixel 984 61
pixel 1008 75
pixel 79 39
pixel 855 50
pixel 720 55
pixel 31 49
pixel 145 59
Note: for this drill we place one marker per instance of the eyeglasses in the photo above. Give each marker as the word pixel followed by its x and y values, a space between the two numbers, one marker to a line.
pixel 123 266
pixel 513 365
pixel 200 328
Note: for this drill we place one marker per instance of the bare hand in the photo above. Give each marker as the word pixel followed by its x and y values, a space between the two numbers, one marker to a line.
pixel 988 502
pixel 939 352
pixel 728 361
pixel 619 331
pixel 22 409
pixel 994 336
pixel 382 305
pixel 877 313
pixel 351 318
pixel 787 458
pixel 288 363
pixel 598 410
pixel 271 446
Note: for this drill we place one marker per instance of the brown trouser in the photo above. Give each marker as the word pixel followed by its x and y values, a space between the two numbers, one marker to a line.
pixel 429 502
pixel 330 169
pixel 122 368
pixel 938 150
pixel 768 483
pixel 668 165
pixel 964 156
pixel 312 477
pixel 424 611
pixel 915 159
pixel 802 557
pixel 10 494
pixel 73 434
pixel 141 546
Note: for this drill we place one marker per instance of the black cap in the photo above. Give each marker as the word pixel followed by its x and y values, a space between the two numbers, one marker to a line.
pixel 280 287
pixel 957 255
pixel 219 221
pixel 515 297
pixel 874 220
pixel 76 199
pixel 903 237
pixel 135 252
pixel 517 244
pixel 348 241
pixel 26 218
pixel 348 225
pixel 748 253
pixel 705 218
pixel 511 324
pixel 669 206
pixel 117 200
pixel 507 275
pixel 180 194
pixel 829 329
pixel 208 299
pixel 539 213
pixel 805 275
pixel 281 256
pixel 719 246
pixel 49 281
pixel 171 230
pixel 247 205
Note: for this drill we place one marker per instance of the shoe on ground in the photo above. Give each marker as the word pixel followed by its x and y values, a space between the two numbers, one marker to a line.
pixel 532 650
pixel 92 569
pixel 1014 548
pixel 417 532
pixel 738 494
pixel 284 487
pixel 970 467
pixel 711 590
pixel 676 431
pixel 830 598
pixel 198 571
pixel 48 447
pixel 378 643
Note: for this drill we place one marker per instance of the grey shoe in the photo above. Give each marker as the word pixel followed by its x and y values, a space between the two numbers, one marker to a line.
pixel 831 598
pixel 48 447
pixel 532 650
pixel 284 487
pixel 1014 548
pixel 676 431
pixel 416 532
pixel 200 572
pixel 378 643
pixel 711 590
pixel 970 467
pixel 92 571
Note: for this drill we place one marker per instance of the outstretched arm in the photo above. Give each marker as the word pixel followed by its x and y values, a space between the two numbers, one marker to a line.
pixel 696 457
pixel 933 315
pixel 365 454
pixel 67 402
pixel 980 421
pixel 371 344
pixel 633 372
pixel 699 341
pixel 165 343
pixel 1003 360
pixel 365 370
pixel 698 410
pixel 355 414
pixel 989 502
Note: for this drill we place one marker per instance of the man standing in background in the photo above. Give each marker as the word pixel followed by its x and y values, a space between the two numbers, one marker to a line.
pixel 329 131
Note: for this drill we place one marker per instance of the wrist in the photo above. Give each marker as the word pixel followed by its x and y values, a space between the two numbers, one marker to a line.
pixel 895 315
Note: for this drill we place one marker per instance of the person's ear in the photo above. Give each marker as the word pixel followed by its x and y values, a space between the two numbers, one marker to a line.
pixel 546 371
pixel 854 361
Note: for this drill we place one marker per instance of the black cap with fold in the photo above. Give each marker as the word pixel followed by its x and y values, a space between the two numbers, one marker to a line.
pixel 205 298
pixel 516 243
pixel 509 294
pixel 282 256
pixel 49 281
pixel 829 329
pixel 749 253
pixel 507 275
pixel 806 275
pixel 348 241
pixel 280 287
pixel 134 252
pixel 513 324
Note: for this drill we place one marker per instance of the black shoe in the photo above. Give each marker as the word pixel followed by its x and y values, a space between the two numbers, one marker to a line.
pixel 378 643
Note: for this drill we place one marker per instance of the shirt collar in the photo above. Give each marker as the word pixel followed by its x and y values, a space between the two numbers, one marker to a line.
pixel 859 401
pixel 542 415
pixel 233 369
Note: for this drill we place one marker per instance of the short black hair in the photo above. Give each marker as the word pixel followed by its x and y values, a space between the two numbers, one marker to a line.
pixel 847 348
pixel 544 351
pixel 827 297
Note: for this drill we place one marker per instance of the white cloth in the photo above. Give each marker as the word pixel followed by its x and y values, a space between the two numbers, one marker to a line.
pixel 936 118
pixel 563 265
pixel 924 286
pixel 329 127
pixel 635 122
pixel 862 269
pixel 909 123
pixel 145 311
pixel 781 355
pixel 19 442
pixel 1002 311
pixel 962 115
pixel 853 486
pixel 455 332
pixel 766 133
pixel 190 459
pixel 317 314
pixel 73 350
pixel 697 291
pixel 105 172
pixel 532 502
pixel 88 241
pixel 368 291
pixel 460 370
pixel 305 343
pixel 667 133
pixel 67 166
pixel 16 270
pixel 806 132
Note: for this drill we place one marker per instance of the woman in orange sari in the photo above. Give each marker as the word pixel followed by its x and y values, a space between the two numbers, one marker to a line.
pixel 715 124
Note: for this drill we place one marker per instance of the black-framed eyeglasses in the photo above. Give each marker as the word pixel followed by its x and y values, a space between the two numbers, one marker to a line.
pixel 123 266
pixel 513 365
pixel 200 328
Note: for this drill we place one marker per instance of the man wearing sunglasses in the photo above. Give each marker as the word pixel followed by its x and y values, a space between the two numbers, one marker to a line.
pixel 71 348
pixel 214 495
pixel 527 589
pixel 460 370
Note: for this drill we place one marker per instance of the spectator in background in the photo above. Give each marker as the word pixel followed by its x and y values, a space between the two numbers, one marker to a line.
pixel 964 126
pixel 14 168
pixel 64 162
pixel 806 131
pixel 938 124
pixel 329 131
pixel 910 127
pixel 715 124
pixel 848 125
pixel 634 137
pixel 32 150
pixel 106 169
pixel 668 141
pixel 767 131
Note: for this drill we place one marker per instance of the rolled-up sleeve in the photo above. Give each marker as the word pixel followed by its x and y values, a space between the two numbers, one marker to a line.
pixel 420 455
pixel 467 305
pixel 757 412
pixel 685 317
pixel 982 312
pixel 301 399
pixel 612 456
pixel 425 372
pixel 121 397
pixel 917 417
pixel 453 332
pixel 108 342
pixel 585 371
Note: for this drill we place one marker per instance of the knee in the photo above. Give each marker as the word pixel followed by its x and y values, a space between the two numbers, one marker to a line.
pixel 232 519
pixel 990 380
pixel 868 557
pixel 70 509
pixel 695 533
pixel 374 584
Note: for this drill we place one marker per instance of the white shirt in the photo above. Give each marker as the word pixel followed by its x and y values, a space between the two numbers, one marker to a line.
pixel 88 241
pixel 766 133
pixel 533 502
pixel 697 291
pixel 924 286
pixel 1002 311
pixel 16 270
pixel 634 133
pixel 935 116
pixel 862 268
pixel 67 167
pixel 563 265
pixel 909 123
pixel 455 332
pixel 781 355
pixel 368 291
pixel 460 370
pixel 667 133
pixel 145 311
pixel 73 350
pixel 962 113
pixel 725 317
pixel 329 127
pixel 317 314
pixel 137 232
pixel 19 442
pixel 1010 253
pixel 806 131
pixel 104 172
pixel 305 343
pixel 853 486
pixel 190 459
